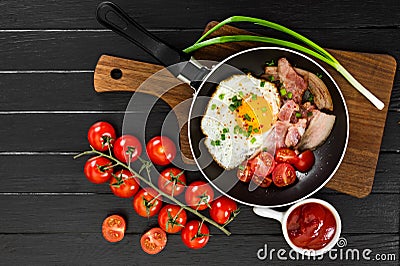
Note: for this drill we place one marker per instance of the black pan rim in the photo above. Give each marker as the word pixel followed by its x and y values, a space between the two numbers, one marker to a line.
pixel 313 62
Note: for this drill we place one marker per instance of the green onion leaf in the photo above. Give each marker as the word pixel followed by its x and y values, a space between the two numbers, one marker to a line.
pixel 253 140
pixel 289 95
pixel 270 63
pixel 319 75
pixel 225 130
pixel 241 167
pixel 222 136
pixel 256 130
pixel 213 106
pixel 271 78
pixel 247 117
pixel 212 143
pixel 240 130
pixel 232 107
pixel 250 129
pixel 221 96
pixel 234 98
pixel 262 83
pixel 236 129
pixel 264 109
pixel 254 97
pixel 309 113
pixel 217 142
pixel 241 94
pixel 298 115
pixel 283 92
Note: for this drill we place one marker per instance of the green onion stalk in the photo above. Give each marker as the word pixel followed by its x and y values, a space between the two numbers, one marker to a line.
pixel 315 51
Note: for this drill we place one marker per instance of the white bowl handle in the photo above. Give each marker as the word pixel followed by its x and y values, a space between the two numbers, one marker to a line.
pixel 268 213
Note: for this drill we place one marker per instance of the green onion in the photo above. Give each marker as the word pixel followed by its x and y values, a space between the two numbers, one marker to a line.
pixel 225 130
pixel 309 113
pixel 212 143
pixel 254 97
pixel 232 107
pixel 234 98
pixel 250 129
pixel 264 109
pixel 319 75
pixel 247 117
pixel 217 142
pixel 298 115
pixel 264 149
pixel 289 95
pixel 316 50
pixel 213 106
pixel 256 130
pixel 262 83
pixel 236 129
pixel 311 98
pixel 221 96
pixel 241 167
pixel 271 78
pixel 283 92
pixel 241 94
pixel 253 140
pixel 222 136
pixel 240 130
pixel 271 63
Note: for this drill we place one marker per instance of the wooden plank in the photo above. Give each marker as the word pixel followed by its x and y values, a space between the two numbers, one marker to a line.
pixel 80 14
pixel 44 213
pixel 26 50
pixel 75 248
pixel 34 170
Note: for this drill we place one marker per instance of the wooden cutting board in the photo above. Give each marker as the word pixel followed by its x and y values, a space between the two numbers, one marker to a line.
pixel 376 71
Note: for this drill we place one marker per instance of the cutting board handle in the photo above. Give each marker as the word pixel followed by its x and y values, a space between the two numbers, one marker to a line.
pixel 119 74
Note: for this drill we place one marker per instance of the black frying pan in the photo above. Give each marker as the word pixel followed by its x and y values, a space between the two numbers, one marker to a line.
pixel 328 156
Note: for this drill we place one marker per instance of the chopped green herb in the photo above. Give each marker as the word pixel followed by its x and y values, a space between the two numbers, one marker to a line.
pixel 254 97
pixel 283 92
pixel 234 98
pixel 270 63
pixel 241 167
pixel 232 107
pixel 221 96
pixel 289 95
pixel 222 136
pixel 311 98
pixel 213 106
pixel 253 140
pixel 319 75
pixel 262 83
pixel 240 130
pixel 225 130
pixel 247 117
pixel 212 143
pixel 264 109
pixel 271 78
pixel 236 129
pixel 256 130
pixel 249 130
pixel 309 113
pixel 241 94
pixel 298 115
pixel 217 142
pixel 264 149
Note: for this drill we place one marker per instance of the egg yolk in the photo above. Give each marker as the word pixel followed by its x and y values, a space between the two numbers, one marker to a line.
pixel 255 113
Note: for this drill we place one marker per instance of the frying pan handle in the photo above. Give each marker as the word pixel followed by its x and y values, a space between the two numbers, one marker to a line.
pixel 114 18
pixel 269 213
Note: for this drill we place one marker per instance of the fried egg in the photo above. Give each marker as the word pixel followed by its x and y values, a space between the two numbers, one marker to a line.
pixel 241 110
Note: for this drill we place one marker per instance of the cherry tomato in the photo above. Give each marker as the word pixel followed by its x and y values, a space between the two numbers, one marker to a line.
pixel 172 218
pixel 260 181
pixel 127 148
pixel 153 241
pixel 172 181
pixel 101 135
pixel 97 170
pixel 194 236
pixel 113 228
pixel 286 155
pixel 223 209
pixel 264 164
pixel 145 202
pixel 283 175
pixel 161 150
pixel 199 195
pixel 305 161
pixel 123 184
pixel 245 171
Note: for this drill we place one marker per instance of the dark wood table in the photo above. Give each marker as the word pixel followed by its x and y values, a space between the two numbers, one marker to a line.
pixel 50 214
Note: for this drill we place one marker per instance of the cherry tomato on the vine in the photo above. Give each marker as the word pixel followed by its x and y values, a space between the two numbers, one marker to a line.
pixel 199 195
pixel 101 136
pixel 153 241
pixel 147 202
pixel 124 184
pixel 305 161
pixel 113 228
pixel 97 169
pixel 194 236
pixel 161 150
pixel 127 148
pixel 172 181
pixel 172 218
pixel 223 209
pixel 283 175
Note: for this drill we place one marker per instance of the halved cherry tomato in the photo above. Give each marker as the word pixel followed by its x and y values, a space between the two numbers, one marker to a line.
pixel 113 228
pixel 283 175
pixel 286 155
pixel 127 148
pixel 172 181
pixel 172 218
pixel 153 241
pixel 147 202
pixel 246 171
pixel 260 181
pixel 123 184
pixel 305 161
pixel 223 209
pixel 161 150
pixel 199 195
pixel 97 169
pixel 264 164
pixel 101 135
pixel 194 236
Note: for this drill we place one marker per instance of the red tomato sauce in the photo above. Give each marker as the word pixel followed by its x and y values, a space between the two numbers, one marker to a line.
pixel 311 226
